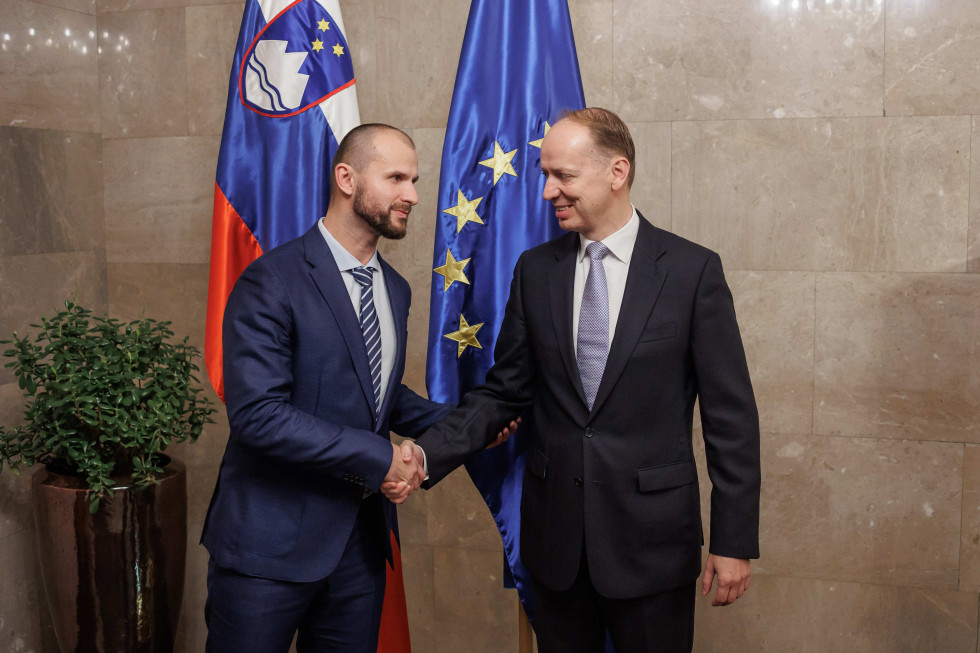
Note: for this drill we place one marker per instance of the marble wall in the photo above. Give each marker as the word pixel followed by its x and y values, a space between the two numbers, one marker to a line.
pixel 823 147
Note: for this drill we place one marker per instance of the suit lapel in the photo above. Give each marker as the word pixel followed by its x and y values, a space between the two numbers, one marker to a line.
pixel 560 287
pixel 327 277
pixel 643 284
pixel 398 301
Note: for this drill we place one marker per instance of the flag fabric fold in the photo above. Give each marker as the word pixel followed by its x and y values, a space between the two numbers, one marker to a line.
pixel 291 100
pixel 518 70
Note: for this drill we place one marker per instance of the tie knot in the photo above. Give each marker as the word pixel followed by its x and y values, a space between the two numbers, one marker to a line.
pixel 596 251
pixel 364 275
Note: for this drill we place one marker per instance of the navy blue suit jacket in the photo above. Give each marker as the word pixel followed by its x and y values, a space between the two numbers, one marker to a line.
pixel 304 439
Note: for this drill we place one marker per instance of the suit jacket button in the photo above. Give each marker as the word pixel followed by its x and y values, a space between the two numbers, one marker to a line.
pixel 589 432
pixel 579 482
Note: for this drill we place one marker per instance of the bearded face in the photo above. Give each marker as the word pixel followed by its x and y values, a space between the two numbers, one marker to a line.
pixel 377 215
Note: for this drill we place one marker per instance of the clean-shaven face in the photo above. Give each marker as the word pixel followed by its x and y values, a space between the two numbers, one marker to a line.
pixel 578 179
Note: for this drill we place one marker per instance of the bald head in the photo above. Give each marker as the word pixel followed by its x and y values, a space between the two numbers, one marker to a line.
pixel 358 148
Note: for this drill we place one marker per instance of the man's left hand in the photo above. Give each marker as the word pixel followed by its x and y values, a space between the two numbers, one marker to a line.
pixel 733 578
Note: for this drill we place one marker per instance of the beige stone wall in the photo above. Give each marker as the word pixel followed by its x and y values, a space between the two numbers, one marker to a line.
pixel 823 147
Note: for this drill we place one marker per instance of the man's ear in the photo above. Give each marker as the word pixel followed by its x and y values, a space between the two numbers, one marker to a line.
pixel 620 172
pixel 343 176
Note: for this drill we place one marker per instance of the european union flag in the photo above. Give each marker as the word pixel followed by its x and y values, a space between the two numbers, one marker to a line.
pixel 518 71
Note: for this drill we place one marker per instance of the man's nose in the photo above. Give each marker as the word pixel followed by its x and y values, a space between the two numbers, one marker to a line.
pixel 550 190
pixel 412 195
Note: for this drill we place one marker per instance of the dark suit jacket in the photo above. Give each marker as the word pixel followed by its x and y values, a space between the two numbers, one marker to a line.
pixel 304 440
pixel 621 478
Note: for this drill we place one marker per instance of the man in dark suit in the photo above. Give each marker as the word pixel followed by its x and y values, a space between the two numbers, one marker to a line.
pixel 314 351
pixel 610 334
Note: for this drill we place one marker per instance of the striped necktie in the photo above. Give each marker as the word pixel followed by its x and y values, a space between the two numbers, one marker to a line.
pixel 371 329
pixel 593 324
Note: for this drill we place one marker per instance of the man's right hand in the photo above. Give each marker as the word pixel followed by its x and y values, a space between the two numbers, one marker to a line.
pixel 405 474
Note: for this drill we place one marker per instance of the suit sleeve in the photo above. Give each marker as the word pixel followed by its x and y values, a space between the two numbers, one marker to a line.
pixel 729 418
pixel 258 370
pixel 488 408
pixel 412 414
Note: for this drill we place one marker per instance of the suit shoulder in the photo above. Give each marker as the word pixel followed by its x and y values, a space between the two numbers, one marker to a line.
pixel 552 248
pixel 288 254
pixel 683 246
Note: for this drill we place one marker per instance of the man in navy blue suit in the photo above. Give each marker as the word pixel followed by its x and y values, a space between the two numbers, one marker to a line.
pixel 314 352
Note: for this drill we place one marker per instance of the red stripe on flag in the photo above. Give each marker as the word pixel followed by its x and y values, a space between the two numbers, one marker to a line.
pixel 393 636
pixel 233 247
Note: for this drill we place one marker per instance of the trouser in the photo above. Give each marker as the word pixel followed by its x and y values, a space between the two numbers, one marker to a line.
pixel 576 620
pixel 338 614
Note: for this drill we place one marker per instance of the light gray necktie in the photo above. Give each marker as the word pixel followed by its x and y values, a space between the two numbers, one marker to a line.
pixel 593 324
pixel 371 329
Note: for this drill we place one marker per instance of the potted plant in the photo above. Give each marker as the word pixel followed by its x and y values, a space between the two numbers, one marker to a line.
pixel 104 398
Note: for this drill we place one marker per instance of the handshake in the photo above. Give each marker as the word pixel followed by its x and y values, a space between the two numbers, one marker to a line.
pixel 407 469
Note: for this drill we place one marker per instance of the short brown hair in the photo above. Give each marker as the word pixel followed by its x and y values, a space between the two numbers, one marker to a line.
pixel 609 133
pixel 354 149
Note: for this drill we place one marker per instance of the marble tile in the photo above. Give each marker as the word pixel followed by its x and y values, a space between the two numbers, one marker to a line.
pixel 458 516
pixel 897 356
pixel 164 291
pixel 875 194
pixel 159 197
pixel 51 191
pixel 864 510
pixel 192 633
pixel 109 6
pixel 23 593
pixel 932 57
pixel 776 316
pixel 817 616
pixel 82 6
pixel 202 459
pixel 746 59
pixel 473 612
pixel 651 188
pixel 592 25
pixel 970 537
pixel 401 79
pixel 11 401
pixel 49 66
pixel 36 285
pixel 212 33
pixel 16 512
pixel 973 240
pixel 143 72
pixel 418 574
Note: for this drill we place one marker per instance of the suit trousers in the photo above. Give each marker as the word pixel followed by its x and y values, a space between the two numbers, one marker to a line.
pixel 338 614
pixel 576 620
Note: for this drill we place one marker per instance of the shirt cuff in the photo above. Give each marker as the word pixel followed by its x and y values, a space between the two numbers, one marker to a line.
pixel 425 464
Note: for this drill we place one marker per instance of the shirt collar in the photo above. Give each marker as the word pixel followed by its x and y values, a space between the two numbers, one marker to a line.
pixel 345 260
pixel 620 243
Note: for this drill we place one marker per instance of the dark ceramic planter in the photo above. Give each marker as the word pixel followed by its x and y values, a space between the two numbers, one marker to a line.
pixel 114 580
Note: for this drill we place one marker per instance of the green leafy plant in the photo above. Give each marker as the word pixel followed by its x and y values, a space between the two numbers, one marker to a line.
pixel 103 398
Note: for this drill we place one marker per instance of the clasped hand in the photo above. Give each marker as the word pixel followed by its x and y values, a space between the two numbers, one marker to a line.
pixel 407 469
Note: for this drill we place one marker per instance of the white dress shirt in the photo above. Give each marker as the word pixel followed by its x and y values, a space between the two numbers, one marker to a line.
pixel 346 262
pixel 616 264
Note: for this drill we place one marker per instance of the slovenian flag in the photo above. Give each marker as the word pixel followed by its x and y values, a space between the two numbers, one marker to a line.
pixel 291 100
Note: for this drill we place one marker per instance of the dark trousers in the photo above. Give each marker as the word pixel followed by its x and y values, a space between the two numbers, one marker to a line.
pixel 576 620
pixel 338 614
